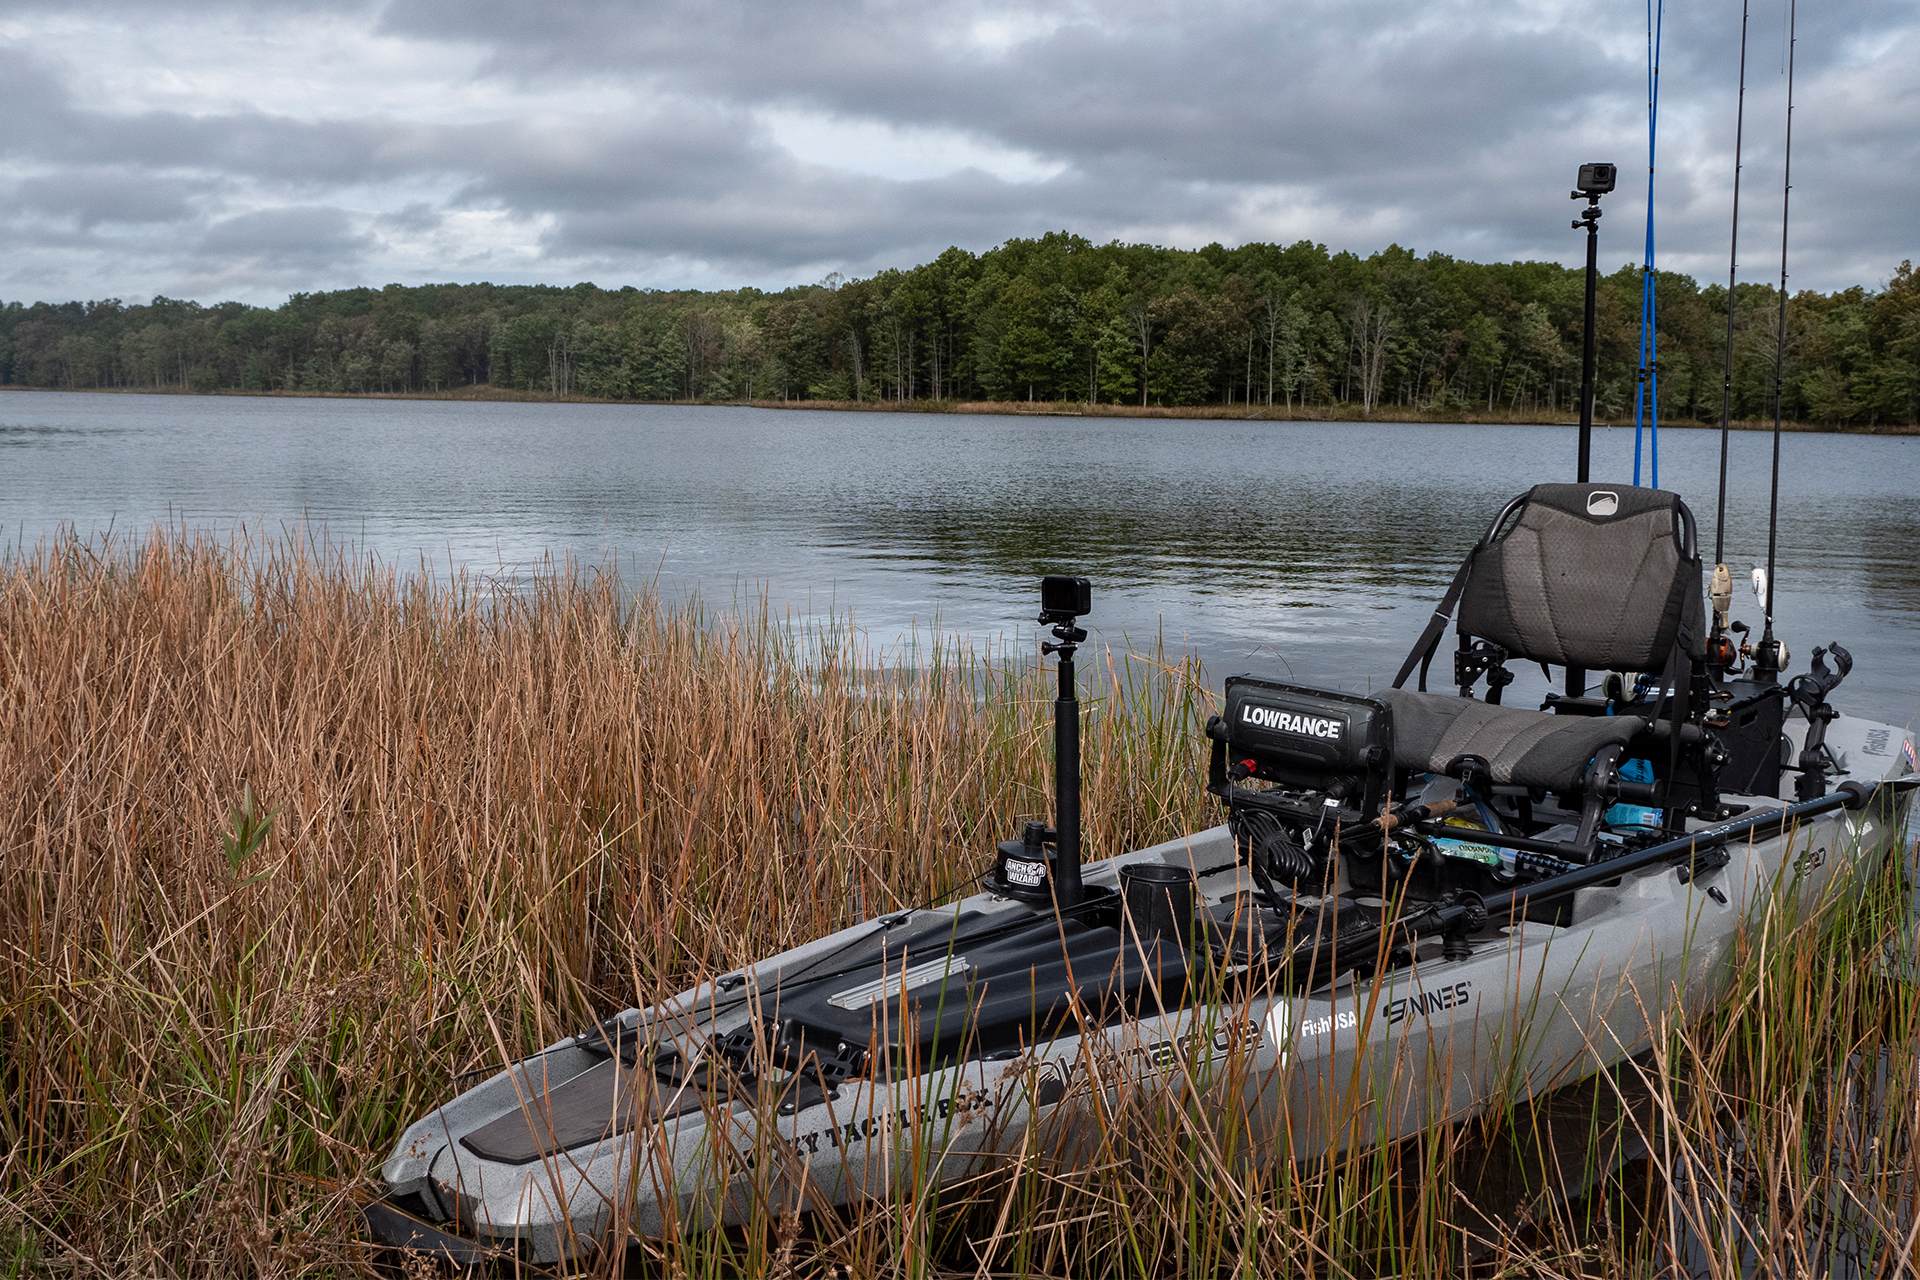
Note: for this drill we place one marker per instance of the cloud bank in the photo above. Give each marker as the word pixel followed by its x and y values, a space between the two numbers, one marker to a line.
pixel 247 150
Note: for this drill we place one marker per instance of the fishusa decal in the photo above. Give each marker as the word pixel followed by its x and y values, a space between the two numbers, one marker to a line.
pixel 1280 1025
pixel 1342 1021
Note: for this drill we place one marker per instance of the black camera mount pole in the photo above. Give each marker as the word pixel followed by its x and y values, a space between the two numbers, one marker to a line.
pixel 1066 758
pixel 1589 219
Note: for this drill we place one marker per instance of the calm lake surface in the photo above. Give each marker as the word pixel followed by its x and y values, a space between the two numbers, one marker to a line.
pixel 1303 549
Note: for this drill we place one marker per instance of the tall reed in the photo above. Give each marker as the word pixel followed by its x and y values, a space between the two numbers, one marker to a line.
pixel 495 816
pixel 289 841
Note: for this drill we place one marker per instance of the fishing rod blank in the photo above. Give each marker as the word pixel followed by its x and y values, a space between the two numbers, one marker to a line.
pixel 1720 651
pixel 1733 266
pixel 1767 656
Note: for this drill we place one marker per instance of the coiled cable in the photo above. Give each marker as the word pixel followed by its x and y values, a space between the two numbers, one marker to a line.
pixel 1272 853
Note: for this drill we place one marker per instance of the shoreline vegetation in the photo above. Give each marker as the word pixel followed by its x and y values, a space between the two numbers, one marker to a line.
pixel 484 393
pixel 292 842
pixel 1056 320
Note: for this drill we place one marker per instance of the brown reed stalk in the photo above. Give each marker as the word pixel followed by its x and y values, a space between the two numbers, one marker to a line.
pixel 500 811
pixel 504 809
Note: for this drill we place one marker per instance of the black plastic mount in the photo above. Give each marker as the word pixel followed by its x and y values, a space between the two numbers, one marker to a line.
pixel 1809 693
pixel 1481 657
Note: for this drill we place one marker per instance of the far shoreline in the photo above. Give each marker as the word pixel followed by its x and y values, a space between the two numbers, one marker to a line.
pixel 486 393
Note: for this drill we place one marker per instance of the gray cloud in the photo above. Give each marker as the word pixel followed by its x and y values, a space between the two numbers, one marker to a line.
pixel 416 217
pixel 286 249
pixel 316 236
pixel 644 141
pixel 88 198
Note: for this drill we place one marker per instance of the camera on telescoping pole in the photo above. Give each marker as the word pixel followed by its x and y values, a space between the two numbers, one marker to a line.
pixel 1043 866
pixel 1062 600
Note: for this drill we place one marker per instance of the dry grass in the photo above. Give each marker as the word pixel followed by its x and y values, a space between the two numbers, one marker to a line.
pixel 498 816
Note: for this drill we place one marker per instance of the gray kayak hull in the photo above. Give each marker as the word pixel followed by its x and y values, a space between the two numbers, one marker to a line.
pixel 1529 1006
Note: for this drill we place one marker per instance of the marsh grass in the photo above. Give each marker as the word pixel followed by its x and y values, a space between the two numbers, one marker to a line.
pixel 291 841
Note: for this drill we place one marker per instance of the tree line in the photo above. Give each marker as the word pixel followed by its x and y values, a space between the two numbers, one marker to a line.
pixel 1056 318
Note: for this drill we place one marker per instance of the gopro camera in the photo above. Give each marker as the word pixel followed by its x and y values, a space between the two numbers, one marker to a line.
pixel 1596 179
pixel 1064 598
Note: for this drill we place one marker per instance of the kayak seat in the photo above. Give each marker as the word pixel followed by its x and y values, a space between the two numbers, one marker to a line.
pixel 1524 748
pixel 1603 577
pixel 1590 578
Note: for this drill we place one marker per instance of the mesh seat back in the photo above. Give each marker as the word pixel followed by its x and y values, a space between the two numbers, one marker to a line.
pixel 1589 575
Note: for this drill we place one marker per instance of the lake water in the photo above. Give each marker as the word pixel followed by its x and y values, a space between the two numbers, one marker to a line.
pixel 1304 549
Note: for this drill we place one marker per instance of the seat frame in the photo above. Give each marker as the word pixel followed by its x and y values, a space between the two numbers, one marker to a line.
pixel 1676 718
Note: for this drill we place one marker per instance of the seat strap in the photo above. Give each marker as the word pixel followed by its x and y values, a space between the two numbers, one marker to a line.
pixel 1429 639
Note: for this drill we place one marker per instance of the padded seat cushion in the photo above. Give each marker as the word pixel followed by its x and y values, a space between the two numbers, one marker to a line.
pixel 1524 748
pixel 1595 576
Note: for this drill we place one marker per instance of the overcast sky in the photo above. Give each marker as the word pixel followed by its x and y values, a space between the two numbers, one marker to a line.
pixel 224 149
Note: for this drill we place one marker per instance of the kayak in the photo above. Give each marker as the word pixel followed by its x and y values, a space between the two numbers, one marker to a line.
pixel 1420 904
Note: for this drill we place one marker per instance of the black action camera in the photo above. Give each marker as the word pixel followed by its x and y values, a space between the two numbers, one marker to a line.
pixel 1595 179
pixel 1064 598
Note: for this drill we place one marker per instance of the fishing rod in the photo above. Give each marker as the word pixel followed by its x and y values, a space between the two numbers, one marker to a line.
pixel 1722 591
pixel 1693 854
pixel 1768 655
pixel 1646 392
pixel 1756 827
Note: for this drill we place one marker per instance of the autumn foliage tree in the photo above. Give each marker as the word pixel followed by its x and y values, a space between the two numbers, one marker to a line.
pixel 1057 318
